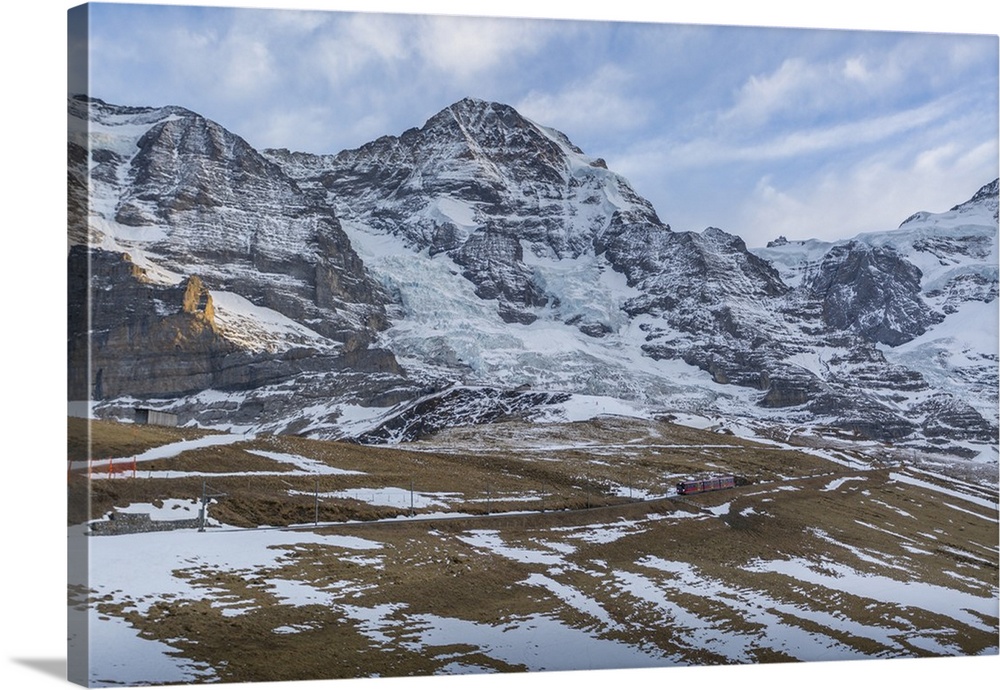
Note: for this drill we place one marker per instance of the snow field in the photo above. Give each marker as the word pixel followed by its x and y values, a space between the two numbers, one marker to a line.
pixel 565 567
pixel 141 570
pixel 137 571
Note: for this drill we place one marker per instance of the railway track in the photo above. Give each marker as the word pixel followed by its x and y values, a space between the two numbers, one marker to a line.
pixel 637 507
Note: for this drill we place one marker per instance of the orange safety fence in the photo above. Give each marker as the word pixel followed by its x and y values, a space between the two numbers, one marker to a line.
pixel 110 468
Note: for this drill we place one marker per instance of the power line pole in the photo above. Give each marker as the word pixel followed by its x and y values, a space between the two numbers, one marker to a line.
pixel 205 496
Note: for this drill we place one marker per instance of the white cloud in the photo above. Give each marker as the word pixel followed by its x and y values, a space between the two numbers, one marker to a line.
pixel 383 35
pixel 294 129
pixel 300 22
pixel 791 86
pixel 791 143
pixel 875 194
pixel 860 79
pixel 336 52
pixel 464 47
pixel 599 103
pixel 856 69
pixel 234 62
pixel 829 182
pixel 245 67
pixel 800 90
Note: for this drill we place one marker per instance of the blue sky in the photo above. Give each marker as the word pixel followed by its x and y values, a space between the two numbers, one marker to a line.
pixel 760 131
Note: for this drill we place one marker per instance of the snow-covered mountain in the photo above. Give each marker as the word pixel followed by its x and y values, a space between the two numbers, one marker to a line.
pixel 482 266
pixel 488 188
pixel 925 293
pixel 270 284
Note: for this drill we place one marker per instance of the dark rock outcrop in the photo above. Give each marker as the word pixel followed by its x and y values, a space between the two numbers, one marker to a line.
pixel 141 338
pixel 872 291
pixel 457 406
pixel 211 205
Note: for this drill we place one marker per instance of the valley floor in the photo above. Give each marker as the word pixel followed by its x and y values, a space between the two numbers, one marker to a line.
pixel 539 549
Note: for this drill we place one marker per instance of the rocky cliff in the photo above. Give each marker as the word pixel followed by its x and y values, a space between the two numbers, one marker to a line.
pixel 178 203
pixel 482 252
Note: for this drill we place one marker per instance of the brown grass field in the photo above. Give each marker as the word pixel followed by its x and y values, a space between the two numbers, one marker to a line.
pixel 546 527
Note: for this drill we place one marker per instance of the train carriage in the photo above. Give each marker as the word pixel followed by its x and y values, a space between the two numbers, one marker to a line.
pixel 697 486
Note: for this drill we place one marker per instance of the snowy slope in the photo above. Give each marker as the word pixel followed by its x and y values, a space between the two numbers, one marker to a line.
pixel 485 253
pixel 444 219
pixel 181 196
pixel 955 254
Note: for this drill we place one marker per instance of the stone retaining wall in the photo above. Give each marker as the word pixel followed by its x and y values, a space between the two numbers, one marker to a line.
pixel 134 523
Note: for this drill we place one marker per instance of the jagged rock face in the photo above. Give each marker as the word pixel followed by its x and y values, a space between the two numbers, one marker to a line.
pixel 872 291
pixel 494 263
pixel 486 187
pixel 943 417
pixel 967 287
pixel 207 267
pixel 76 193
pixel 709 298
pixel 487 251
pixel 204 201
pixel 189 169
pixel 968 264
pixel 493 162
pixel 681 275
pixel 148 340
pixel 477 183
pixel 132 322
pixel 902 308
pixel 473 405
pixel 498 194
pixel 189 163
pixel 987 198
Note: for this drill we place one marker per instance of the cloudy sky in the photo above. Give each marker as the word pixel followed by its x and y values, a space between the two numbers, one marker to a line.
pixel 759 131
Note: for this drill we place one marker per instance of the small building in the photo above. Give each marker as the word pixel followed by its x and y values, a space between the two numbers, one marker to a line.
pixel 144 415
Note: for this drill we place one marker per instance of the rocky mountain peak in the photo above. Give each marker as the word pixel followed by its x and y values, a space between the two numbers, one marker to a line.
pixel 204 165
pixel 217 236
pixel 483 186
pixel 985 200
pixel 499 129
pixel 986 197
pixel 95 110
pixel 485 250
pixel 482 115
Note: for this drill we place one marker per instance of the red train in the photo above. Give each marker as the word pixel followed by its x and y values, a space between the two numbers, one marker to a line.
pixel 697 486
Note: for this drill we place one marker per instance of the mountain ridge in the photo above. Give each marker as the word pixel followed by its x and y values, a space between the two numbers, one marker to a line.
pixel 484 250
